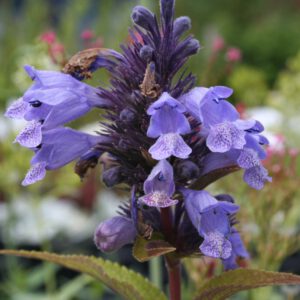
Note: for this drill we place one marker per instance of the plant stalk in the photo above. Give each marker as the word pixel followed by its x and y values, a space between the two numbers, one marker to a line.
pixel 174 272
pixel 172 262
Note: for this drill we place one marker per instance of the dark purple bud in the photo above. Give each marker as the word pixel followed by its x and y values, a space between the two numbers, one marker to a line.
pixel 225 197
pixel 114 233
pixel 146 53
pixel 127 115
pixel 191 48
pixel 181 25
pixel 123 145
pixel 187 170
pixel 143 17
pixel 167 11
pixel 112 176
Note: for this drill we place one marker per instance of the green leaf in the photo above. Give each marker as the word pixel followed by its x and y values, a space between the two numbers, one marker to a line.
pixel 143 250
pixel 231 282
pixel 127 283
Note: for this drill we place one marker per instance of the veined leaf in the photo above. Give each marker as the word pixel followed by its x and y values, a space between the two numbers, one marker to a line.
pixel 143 250
pixel 231 282
pixel 127 283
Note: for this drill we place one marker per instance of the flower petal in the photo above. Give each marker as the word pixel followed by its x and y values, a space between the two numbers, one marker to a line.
pixel 157 199
pixel 65 112
pixel 170 144
pixel 165 99
pixel 36 173
pixel 223 92
pixel 167 119
pixel 17 109
pixel 248 158
pixel 31 135
pixel 256 177
pixel 225 136
pixel 216 245
pixel 160 179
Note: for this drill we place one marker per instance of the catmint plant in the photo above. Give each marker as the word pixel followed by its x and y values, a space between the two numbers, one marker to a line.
pixel 162 137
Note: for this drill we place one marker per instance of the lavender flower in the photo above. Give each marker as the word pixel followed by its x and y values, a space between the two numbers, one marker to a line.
pixel 59 147
pixel 240 140
pixel 168 123
pixel 211 218
pixel 54 99
pixel 159 186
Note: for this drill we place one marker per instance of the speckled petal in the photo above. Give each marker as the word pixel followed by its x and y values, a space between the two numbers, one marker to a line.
pixel 219 138
pixel 36 173
pixel 256 177
pixel 216 245
pixel 248 158
pixel 225 136
pixel 157 199
pixel 170 144
pixel 17 109
pixel 31 135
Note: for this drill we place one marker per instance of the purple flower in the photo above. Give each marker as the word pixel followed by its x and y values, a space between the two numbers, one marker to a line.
pixel 220 120
pixel 59 147
pixel 232 140
pixel 168 123
pixel 238 250
pixel 211 218
pixel 54 99
pixel 114 233
pixel 159 186
pixel 195 99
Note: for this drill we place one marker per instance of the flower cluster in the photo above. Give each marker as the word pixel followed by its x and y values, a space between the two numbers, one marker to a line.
pixel 164 138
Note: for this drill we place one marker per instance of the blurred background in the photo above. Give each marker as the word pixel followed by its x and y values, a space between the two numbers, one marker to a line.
pixel 252 46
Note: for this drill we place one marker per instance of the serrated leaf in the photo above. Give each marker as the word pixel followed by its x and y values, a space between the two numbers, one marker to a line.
pixel 212 176
pixel 127 283
pixel 143 250
pixel 231 282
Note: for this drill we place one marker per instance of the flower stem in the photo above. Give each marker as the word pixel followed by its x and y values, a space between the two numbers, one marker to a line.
pixel 174 273
pixel 172 262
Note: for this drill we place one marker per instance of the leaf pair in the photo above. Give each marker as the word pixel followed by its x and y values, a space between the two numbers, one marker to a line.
pixel 132 285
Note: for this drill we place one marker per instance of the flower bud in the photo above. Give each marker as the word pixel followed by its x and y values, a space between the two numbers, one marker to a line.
pixel 146 53
pixel 187 170
pixel 143 17
pixel 225 197
pixel 167 10
pixel 181 25
pixel 114 233
pixel 112 176
pixel 127 115
pixel 192 47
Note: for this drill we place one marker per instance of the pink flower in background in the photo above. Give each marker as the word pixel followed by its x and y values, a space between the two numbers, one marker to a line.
pixel 49 37
pixel 233 54
pixel 218 44
pixel 57 48
pixel 87 34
